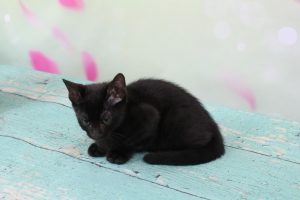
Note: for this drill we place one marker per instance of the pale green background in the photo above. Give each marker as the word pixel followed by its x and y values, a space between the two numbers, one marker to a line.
pixel 196 43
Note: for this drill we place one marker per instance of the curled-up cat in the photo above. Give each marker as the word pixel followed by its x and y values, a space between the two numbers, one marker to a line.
pixel 147 115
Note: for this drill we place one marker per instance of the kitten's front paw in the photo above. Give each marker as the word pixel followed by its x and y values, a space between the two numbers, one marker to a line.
pixel 95 151
pixel 117 158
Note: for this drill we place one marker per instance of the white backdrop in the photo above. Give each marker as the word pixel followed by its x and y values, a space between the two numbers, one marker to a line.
pixel 243 54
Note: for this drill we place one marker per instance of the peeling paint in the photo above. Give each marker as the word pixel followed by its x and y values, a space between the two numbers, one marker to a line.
pixel 213 179
pixel 295 145
pixel 22 191
pixel 9 90
pixel 129 172
pixel 73 151
pixel 258 139
pixel 281 138
pixel 159 180
pixel 14 194
pixel 228 130
pixel 279 152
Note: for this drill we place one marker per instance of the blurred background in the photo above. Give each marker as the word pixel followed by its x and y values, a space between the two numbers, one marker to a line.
pixel 242 54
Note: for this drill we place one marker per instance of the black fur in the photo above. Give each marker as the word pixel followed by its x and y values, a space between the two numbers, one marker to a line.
pixel 147 115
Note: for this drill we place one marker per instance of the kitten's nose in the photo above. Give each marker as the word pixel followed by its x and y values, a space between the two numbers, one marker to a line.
pixel 106 117
pixel 93 134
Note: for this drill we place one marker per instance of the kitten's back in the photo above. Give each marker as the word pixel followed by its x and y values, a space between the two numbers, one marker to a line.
pixel 161 93
pixel 187 135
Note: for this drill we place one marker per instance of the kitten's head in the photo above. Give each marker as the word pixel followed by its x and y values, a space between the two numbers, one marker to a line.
pixel 100 108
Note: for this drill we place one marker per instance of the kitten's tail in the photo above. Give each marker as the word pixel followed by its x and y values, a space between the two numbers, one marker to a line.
pixel 213 150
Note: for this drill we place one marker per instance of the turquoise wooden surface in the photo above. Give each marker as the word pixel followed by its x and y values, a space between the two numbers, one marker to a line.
pixel 43 153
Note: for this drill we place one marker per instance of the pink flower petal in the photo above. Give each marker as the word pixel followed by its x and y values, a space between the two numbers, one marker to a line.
pixel 32 18
pixel 90 66
pixel 239 87
pixel 72 4
pixel 40 62
pixel 62 38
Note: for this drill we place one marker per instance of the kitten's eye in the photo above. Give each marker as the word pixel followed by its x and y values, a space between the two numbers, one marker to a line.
pixel 87 122
pixel 106 118
pixel 106 121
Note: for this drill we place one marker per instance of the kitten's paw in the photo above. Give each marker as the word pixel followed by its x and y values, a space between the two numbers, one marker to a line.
pixel 94 151
pixel 117 158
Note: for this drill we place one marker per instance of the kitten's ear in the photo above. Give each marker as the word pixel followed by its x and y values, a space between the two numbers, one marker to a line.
pixel 76 91
pixel 116 91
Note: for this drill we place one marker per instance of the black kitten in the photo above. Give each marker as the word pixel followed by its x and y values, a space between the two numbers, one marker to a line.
pixel 147 115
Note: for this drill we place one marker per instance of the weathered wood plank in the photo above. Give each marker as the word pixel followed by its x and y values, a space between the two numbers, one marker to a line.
pixel 248 131
pixel 32 84
pixel 238 175
pixel 31 173
pixel 259 133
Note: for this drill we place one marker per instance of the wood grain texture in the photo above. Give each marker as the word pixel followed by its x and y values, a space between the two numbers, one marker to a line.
pixel 43 149
pixel 29 172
